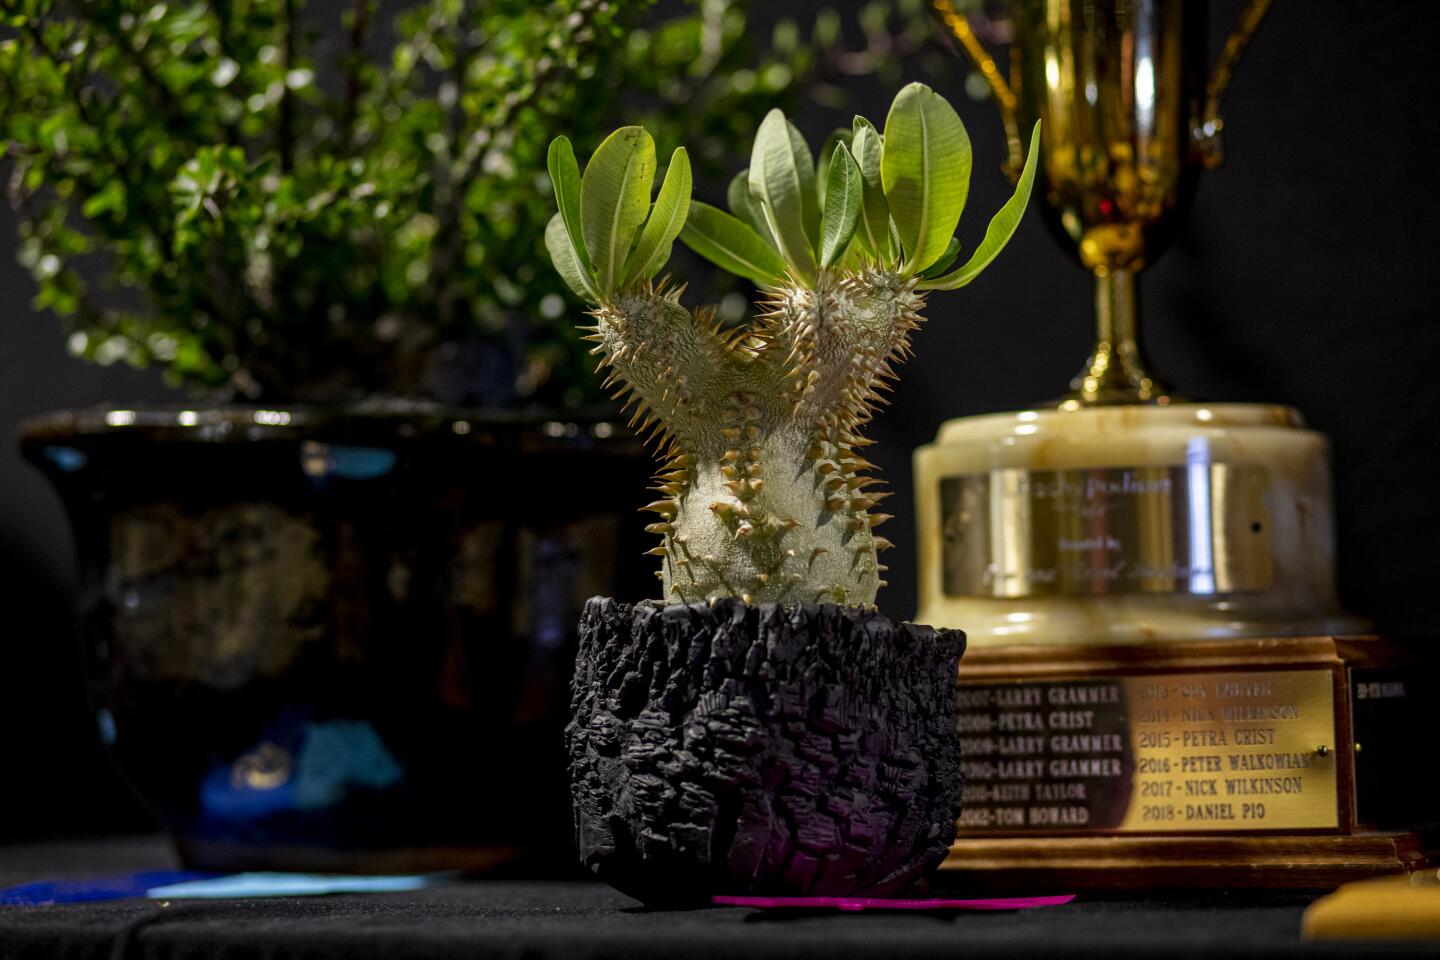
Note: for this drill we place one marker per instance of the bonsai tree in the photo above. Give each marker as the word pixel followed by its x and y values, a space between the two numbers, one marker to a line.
pixel 276 200
pixel 765 493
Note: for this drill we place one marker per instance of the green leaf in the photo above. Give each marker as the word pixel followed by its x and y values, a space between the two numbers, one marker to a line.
pixel 782 178
pixel 567 261
pixel 1001 229
pixel 109 199
pixel 842 205
pixel 667 218
pixel 874 231
pixel 925 169
pixel 822 164
pixel 614 201
pixel 946 259
pixel 744 205
pixel 731 245
pixel 565 177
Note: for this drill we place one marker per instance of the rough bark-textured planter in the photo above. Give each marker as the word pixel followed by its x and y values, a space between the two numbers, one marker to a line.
pixel 762 749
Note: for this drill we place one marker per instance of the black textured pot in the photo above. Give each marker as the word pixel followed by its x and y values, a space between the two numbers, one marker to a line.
pixel 741 749
pixel 331 640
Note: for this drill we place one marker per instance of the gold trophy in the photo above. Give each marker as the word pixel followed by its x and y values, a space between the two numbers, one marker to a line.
pixel 1161 686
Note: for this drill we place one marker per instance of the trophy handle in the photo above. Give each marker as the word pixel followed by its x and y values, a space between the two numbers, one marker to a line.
pixel 957 23
pixel 1209 147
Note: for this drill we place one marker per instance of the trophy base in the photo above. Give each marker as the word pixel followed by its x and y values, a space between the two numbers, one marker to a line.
pixel 1261 762
pixel 1288 861
pixel 1127 524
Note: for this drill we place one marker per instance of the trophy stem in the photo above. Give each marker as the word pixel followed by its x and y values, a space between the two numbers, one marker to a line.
pixel 1115 372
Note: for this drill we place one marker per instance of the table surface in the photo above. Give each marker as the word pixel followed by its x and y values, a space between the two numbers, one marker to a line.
pixel 545 919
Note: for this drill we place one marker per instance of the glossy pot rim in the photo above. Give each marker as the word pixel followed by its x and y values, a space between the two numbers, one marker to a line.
pixel 393 421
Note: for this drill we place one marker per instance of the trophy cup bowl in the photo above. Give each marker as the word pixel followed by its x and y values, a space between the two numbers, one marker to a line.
pixel 1160 690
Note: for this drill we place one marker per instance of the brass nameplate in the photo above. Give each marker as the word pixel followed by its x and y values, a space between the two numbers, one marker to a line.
pixel 1186 752
pixel 1202 528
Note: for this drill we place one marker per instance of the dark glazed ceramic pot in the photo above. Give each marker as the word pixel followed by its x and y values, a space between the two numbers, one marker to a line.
pixel 738 749
pixel 342 641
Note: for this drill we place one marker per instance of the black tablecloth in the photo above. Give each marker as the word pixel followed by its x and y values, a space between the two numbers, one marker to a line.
pixel 539 919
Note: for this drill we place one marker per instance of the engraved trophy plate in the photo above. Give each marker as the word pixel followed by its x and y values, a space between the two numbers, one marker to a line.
pixel 1200 529
pixel 1170 753
pixel 1240 762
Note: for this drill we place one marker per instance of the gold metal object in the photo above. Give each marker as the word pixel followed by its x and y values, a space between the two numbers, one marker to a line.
pixel 1167 753
pixel 1377 910
pixel 1208 764
pixel 1127 523
pixel 1159 689
pixel 1128 124
pixel 1203 528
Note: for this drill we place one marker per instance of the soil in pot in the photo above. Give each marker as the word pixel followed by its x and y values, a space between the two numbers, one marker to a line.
pixel 744 749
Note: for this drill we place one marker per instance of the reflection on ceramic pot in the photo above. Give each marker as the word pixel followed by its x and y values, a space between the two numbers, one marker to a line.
pixel 326 640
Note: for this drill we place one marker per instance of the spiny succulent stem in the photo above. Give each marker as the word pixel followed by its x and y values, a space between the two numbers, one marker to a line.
pixel 764 487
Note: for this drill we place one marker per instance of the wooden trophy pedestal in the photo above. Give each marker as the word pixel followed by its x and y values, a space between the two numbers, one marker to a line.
pixel 1269 762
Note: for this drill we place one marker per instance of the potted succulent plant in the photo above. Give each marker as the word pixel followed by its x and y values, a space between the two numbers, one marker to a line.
pixel 329 602
pixel 762 728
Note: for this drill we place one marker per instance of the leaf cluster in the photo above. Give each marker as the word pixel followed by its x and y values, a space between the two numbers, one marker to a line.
pixel 279 199
pixel 894 198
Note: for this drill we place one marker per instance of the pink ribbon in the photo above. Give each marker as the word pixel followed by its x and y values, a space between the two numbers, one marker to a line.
pixel 880 903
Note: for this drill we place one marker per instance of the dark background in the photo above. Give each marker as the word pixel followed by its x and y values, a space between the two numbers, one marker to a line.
pixel 1305 275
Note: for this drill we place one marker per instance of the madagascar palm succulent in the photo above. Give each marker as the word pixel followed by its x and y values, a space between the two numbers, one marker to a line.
pixel 765 493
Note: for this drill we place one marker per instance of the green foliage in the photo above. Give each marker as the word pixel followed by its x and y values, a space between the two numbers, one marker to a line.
pixel 823 158
pixel 743 204
pixel 925 172
pixel 875 213
pixel 614 200
pixel 276 199
pixel 565 180
pixel 842 205
pixel 578 276
pixel 947 259
pixel 732 245
pixel 782 181
pixel 597 241
pixel 895 200
pixel 666 220
pixel 998 233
